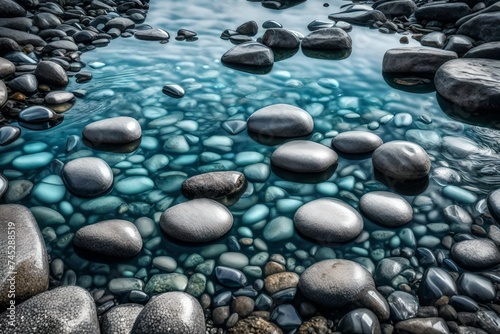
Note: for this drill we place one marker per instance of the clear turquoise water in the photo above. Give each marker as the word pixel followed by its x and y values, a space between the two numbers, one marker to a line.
pixel 130 84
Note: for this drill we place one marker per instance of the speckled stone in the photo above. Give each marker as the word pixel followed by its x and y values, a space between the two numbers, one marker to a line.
pixel 255 325
pixel 281 281
pixel 68 309
pixel 198 220
pixel 302 156
pixel 31 262
pixel 171 312
pixel 114 238
pixel 476 254
pixel 356 142
pixel 422 325
pixel 281 120
pixel 87 177
pixel 386 209
pixel 335 283
pixel 401 160
pixel 328 220
pixel 224 187
pixel 116 130
pixel 120 319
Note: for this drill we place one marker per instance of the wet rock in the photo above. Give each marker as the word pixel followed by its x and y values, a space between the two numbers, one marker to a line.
pixel 386 208
pixel 401 160
pixel 320 24
pixel 8 45
pixel 423 325
pixel 116 130
pixel 476 254
pixel 68 309
pixel 434 39
pixel 26 84
pixel 224 187
pixel 87 177
pixel 45 20
pixel 256 325
pixel 301 156
pixel 396 8
pixel 152 35
pixel 387 269
pixel 328 220
pixel 460 45
pixel 11 9
pixel 470 83
pixel 3 93
pixel 362 321
pixel 493 202
pixel 51 74
pixel 171 312
pixel 249 54
pixel 59 97
pixel 335 283
pixel 120 23
pixel 114 238
pixel 361 17
pixel 442 12
pixel 328 39
pixel 173 90
pixel 160 283
pixel 281 281
pixel 489 321
pixel 243 306
pixel 403 306
pixel 479 288
pixel 489 50
pixel 230 277
pixel 356 142
pixel 36 114
pixel 281 120
pixel 21 37
pixel 483 27
pixel 120 319
pixel 249 28
pixel 6 68
pixel 436 283
pixel 415 60
pixel 30 262
pixel 278 38
pixel 317 324
pixel 198 220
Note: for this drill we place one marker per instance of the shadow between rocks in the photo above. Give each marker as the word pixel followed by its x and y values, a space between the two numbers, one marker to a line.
pixel 403 187
pixel 99 258
pixel 273 140
pixel 304 177
pixel 327 55
pixel 249 68
pixel 417 84
pixel 282 54
pixel 114 148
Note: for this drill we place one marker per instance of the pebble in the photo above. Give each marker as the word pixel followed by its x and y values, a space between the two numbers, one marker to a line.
pixel 476 254
pixel 301 156
pixel 115 130
pixel 386 209
pixel 281 120
pixel 87 177
pixel 356 142
pixel 362 321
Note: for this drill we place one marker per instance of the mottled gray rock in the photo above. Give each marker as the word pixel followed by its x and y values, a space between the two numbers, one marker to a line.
pixel 302 156
pixel 328 220
pixel 171 312
pixel 6 68
pixel 256 325
pixel 356 142
pixel 443 12
pixel 401 160
pixel 281 120
pixel 114 238
pixel 360 321
pixel 416 60
pixel 360 17
pixel 396 8
pixel 30 261
pixel 87 177
pixel 11 9
pixel 335 283
pixel 120 319
pixel 327 39
pixel 68 309
pixel 224 187
pixel 489 50
pixel 152 35
pixel 470 83
pixel 21 37
pixel 476 254
pixel 489 321
pixel 26 84
pixel 278 38
pixel 249 54
pixel 198 220
pixel 51 74
pixel 386 208
pixel 116 130
pixel 484 27
pixel 423 325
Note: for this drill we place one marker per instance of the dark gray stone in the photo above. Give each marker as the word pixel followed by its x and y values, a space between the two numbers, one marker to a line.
pixel 460 45
pixel 396 8
pixel 356 142
pixel 116 130
pixel 87 177
pixel 477 287
pixel 249 28
pixel 389 268
pixel 473 84
pixel 415 60
pixel 484 27
pixel 286 316
pixel 11 9
pixel 30 262
pixel 36 114
pixel 51 74
pixel 442 12
pixel 224 187
pixel 463 304
pixel 113 238
pixel 18 189
pixel 26 84
pixel 21 37
pixel 68 309
pixel 493 202
pixel 152 35
pixel 8 45
pixel 360 321
pixel 436 283
pixel 477 254
pixel 434 39
pixel 249 54
pixel 335 283
pixel 489 50
pixel 320 24
pixel 489 321
pixel 386 209
pixel 328 220
pixel 3 93
pixel 198 220
pixel 423 325
pixel 58 97
pixel 230 277
pixel 302 156
pixel 401 160
pixel 403 306
pixel 328 39
pixel 278 38
pixel 120 23
pixel 46 20
pixel 281 120
pixel 173 90
pixel 171 312
pixel 17 23
pixel 361 17
pixel 120 319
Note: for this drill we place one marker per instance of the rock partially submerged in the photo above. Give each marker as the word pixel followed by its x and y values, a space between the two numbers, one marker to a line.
pixel 360 17
pixel 249 54
pixel 281 120
pixel 415 60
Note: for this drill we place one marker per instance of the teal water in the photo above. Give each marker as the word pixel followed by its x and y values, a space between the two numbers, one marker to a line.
pixel 341 95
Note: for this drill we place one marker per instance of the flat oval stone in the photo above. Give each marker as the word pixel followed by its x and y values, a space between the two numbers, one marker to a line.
pixel 327 39
pixel 152 35
pixel 422 325
pixel 36 114
pixel 250 54
pixel 230 277
pixel 328 220
pixel 198 220
pixel 476 254
pixel 281 120
pixel 356 142
pixel 59 97
pixel 116 130
pixel 334 283
pixel 416 60
pixel 224 187
pixel 134 185
pixel 173 90
pixel 87 177
pixel 32 161
pixel 302 156
pixel 114 238
pixel 401 160
pixel 278 38
pixel 9 134
pixel 385 208
pixel 171 312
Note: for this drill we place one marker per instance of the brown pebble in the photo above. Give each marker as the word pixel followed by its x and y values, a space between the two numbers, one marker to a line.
pixel 404 40
pixel 273 268
pixel 261 314
pixel 478 231
pixel 281 281
pixel 243 306
pixel 442 301
pixel 246 241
